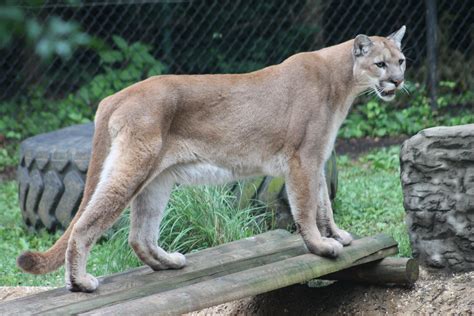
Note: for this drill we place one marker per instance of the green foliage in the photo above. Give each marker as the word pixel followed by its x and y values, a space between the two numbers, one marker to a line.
pixel 122 67
pixel 10 23
pixel 8 157
pixel 369 198
pixel 56 37
pixel 383 159
pixel 196 218
pixel 14 239
pixel 378 118
pixel 202 217
pixel 35 113
pixel 53 37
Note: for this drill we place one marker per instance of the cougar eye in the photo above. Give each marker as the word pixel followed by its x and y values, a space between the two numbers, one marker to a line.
pixel 400 61
pixel 380 64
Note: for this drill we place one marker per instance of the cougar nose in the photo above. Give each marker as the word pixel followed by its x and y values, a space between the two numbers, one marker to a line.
pixel 397 81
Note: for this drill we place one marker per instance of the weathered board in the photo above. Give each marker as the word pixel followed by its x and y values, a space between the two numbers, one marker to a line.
pixel 213 276
pixel 391 270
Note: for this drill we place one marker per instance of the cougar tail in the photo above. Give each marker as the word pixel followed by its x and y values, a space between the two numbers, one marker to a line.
pixel 43 262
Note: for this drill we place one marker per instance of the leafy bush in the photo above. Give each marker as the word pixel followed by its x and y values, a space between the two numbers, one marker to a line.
pixel 377 118
pixel 122 67
pixel 35 113
pixel 53 37
pixel 7 158
pixel 383 159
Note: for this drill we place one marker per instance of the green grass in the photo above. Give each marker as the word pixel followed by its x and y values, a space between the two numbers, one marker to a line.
pixel 15 239
pixel 369 201
pixel 197 218
pixel 8 157
pixel 369 198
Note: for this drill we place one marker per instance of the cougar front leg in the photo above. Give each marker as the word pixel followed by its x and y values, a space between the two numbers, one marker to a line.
pixel 146 215
pixel 125 169
pixel 303 194
pixel 325 217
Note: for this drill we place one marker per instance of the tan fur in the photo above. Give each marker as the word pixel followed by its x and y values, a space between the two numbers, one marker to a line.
pixel 280 121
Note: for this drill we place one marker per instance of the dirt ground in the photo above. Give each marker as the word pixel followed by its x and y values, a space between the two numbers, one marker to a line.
pixel 354 147
pixel 434 293
pixel 8 173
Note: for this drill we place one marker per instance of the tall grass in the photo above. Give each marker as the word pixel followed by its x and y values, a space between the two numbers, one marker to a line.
pixel 208 216
pixel 196 218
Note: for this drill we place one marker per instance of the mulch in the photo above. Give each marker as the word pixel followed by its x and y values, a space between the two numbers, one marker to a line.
pixel 354 147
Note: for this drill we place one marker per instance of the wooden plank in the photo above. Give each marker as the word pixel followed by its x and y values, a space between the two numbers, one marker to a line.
pixel 391 270
pixel 245 283
pixel 232 258
pixel 198 262
pixel 152 286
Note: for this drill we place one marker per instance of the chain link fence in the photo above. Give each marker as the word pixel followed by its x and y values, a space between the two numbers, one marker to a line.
pixel 82 51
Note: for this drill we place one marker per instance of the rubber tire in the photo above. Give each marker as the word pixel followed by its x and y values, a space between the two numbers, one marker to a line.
pixel 51 176
pixel 52 173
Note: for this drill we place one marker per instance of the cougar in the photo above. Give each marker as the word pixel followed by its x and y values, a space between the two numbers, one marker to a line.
pixel 210 129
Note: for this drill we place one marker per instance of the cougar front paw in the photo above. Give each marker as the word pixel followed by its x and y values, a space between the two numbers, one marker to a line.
pixel 325 247
pixel 343 237
pixel 179 260
pixel 174 260
pixel 86 284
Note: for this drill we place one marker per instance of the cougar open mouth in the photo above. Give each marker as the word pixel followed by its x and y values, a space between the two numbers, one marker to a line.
pixel 387 93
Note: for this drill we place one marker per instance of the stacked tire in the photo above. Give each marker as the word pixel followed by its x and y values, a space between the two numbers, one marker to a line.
pixel 51 176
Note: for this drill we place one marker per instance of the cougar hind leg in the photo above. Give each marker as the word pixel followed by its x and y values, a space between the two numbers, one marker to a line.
pixel 146 215
pixel 126 169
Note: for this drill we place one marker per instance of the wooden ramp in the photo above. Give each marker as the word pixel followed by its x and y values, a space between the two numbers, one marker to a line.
pixel 213 276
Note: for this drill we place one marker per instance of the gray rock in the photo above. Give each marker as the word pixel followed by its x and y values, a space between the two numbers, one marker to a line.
pixel 437 176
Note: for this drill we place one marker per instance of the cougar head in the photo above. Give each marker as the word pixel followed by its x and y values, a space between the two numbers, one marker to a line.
pixel 379 63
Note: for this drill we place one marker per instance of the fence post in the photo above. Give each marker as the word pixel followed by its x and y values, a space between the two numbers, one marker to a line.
pixel 432 47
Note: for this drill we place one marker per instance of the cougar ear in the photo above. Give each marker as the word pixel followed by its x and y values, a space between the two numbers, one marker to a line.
pixel 398 36
pixel 362 45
